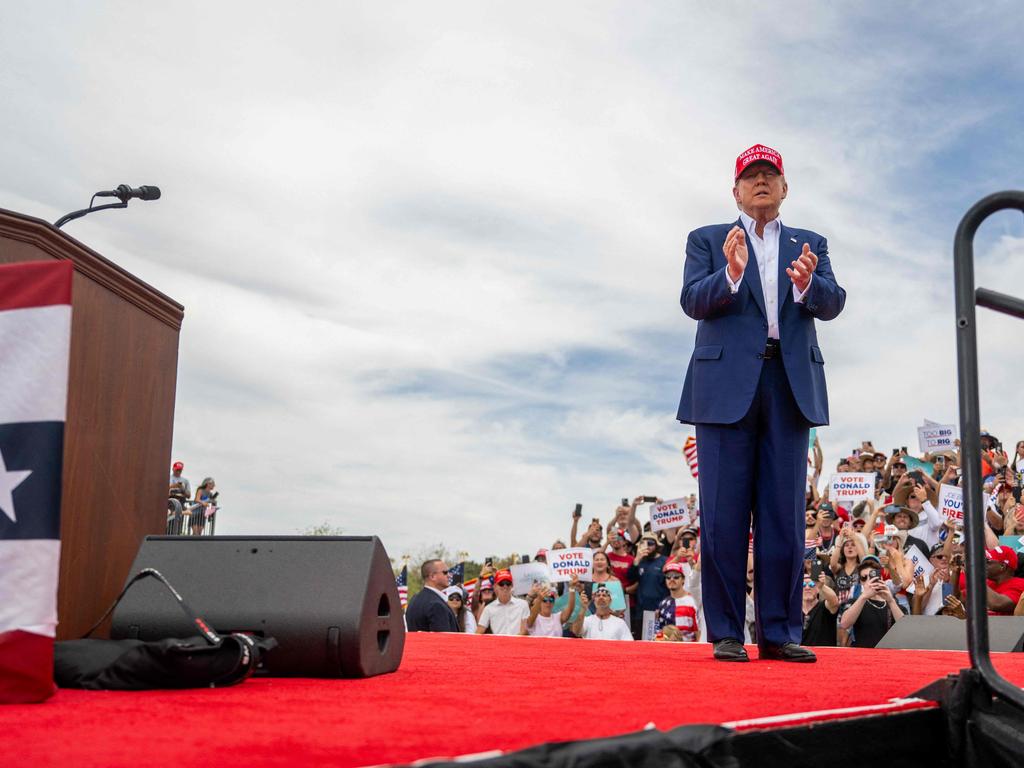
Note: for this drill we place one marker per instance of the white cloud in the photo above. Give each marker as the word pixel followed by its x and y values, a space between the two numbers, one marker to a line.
pixel 424 251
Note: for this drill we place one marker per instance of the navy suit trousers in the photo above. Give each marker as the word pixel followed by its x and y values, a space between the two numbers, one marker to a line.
pixel 756 467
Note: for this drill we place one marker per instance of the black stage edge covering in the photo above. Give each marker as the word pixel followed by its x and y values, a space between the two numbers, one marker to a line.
pixel 980 730
pixel 969 729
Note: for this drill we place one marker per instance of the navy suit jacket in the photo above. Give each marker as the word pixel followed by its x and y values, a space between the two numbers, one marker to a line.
pixel 732 328
pixel 428 612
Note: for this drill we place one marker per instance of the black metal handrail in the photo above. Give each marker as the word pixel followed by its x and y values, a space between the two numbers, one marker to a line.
pixel 967 297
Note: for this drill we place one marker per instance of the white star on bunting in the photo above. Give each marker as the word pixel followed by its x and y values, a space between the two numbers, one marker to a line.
pixel 8 482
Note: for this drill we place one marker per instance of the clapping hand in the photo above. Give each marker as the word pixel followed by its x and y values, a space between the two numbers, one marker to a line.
pixel 735 250
pixel 801 270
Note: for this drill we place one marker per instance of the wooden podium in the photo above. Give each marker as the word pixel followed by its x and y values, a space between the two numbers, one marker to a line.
pixel 120 418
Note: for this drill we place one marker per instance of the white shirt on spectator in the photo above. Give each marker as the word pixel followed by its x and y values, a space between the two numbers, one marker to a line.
pixel 766 254
pixel 610 628
pixel 930 526
pixel 504 618
pixel 470 623
pixel 545 626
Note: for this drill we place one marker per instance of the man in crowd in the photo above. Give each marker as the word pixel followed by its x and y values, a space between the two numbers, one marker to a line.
pixel 180 487
pixel 679 609
pixel 428 611
pixel 646 571
pixel 1004 589
pixel 503 616
pixel 754 387
pixel 906 519
pixel 820 604
pixel 602 624
pixel 871 614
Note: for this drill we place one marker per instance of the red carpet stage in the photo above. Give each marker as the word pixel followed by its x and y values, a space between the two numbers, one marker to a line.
pixel 457 694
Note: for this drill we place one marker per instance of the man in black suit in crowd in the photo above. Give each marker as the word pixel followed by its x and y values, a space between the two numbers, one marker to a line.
pixel 428 611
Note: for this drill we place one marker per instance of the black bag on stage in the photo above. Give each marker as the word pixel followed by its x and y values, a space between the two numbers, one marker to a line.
pixel 207 660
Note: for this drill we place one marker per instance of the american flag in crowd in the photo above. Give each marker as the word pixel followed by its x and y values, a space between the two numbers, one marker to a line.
pixel 35 335
pixel 456 574
pixel 690 452
pixel 402 582
pixel 470 587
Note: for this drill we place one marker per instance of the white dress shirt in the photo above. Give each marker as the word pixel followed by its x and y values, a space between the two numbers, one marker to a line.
pixel 766 254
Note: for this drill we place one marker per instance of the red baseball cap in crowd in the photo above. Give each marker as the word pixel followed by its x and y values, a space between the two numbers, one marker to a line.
pixel 842 514
pixel 756 153
pixel 503 575
pixel 177 465
pixel 1002 554
pixel 672 568
pixel 541 553
pixel 486 584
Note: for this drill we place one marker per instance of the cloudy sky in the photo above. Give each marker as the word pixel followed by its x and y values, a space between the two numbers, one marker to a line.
pixel 430 253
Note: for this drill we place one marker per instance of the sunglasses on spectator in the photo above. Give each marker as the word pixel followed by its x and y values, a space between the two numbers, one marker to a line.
pixel 504 583
pixel 549 599
pixel 673 575
pixel 454 597
pixel 808 583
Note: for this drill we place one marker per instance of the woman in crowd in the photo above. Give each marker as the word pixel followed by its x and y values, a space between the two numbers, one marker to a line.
pixel 463 616
pixel 482 596
pixel 206 498
pixel 849 550
pixel 542 621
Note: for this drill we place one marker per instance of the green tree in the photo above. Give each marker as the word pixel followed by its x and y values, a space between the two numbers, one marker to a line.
pixel 322 529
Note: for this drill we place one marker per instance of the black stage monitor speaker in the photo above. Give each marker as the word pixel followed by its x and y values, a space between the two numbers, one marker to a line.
pixel 329 601
pixel 946 633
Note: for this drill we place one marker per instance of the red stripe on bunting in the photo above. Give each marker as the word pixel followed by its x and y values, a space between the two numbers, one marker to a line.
pixel 35 284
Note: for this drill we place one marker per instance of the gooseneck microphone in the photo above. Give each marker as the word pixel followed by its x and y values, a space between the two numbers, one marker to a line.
pixel 123 192
pixel 126 193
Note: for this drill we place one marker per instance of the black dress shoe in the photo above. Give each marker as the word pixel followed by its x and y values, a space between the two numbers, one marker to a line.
pixel 787 652
pixel 730 649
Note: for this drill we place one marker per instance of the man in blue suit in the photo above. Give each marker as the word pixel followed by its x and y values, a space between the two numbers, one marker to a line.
pixel 428 611
pixel 754 387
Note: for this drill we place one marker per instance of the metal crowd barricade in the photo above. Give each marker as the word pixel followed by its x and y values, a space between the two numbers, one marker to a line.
pixel 180 518
pixel 967 297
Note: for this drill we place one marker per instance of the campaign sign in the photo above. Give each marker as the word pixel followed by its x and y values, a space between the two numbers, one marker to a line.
pixel 951 502
pixel 670 514
pixel 524 575
pixel 936 438
pixel 565 563
pixel 848 488
pixel 919 561
pixel 648 624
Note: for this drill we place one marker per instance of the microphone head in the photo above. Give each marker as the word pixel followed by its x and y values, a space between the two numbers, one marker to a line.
pixel 149 193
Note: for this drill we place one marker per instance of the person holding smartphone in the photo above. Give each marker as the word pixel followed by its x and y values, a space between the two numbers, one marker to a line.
pixel 873 612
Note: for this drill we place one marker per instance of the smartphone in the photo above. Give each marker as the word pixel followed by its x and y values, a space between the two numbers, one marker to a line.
pixel 856 451
pixel 815 569
pixel 578 512
pixel 489 562
pixel 625 501
pixel 895 451
pixel 650 499
pixel 526 558
pixel 904 449
pixel 874 574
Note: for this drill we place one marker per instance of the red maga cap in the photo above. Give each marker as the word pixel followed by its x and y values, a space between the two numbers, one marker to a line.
pixel 1002 554
pixel 758 152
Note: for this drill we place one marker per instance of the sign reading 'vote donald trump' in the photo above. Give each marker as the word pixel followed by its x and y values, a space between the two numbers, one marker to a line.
pixel 851 487
pixel 669 514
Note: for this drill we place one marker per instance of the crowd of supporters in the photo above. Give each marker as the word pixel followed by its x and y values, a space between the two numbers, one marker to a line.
pixel 866 565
